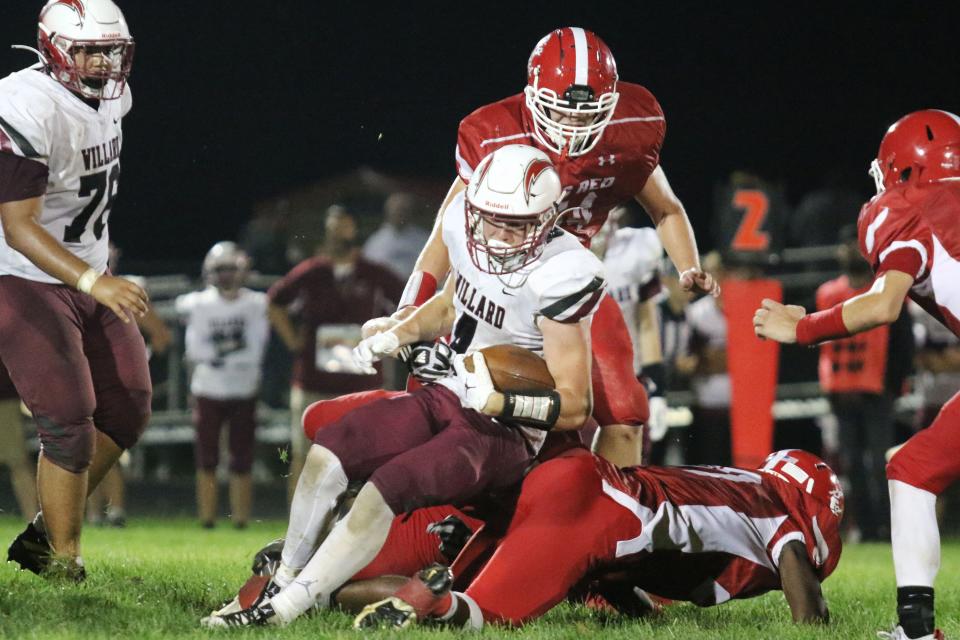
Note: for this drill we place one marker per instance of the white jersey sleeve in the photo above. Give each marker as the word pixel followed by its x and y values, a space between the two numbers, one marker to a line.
pixel 569 284
pixel 27 120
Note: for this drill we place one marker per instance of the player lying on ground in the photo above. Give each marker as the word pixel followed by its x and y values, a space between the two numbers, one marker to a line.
pixel 517 281
pixel 908 234
pixel 700 534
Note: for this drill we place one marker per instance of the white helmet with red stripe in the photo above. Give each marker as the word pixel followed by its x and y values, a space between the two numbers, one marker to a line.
pixel 571 90
pixel 510 208
pixel 86 46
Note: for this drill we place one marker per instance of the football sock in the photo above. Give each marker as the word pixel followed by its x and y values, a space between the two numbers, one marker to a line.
pixel 319 487
pixel 914 534
pixel 351 545
pixel 915 610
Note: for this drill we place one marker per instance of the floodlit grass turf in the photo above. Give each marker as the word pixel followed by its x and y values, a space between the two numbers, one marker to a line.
pixel 155 579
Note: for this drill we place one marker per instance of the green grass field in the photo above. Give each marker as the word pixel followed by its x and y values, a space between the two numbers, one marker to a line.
pixel 155 579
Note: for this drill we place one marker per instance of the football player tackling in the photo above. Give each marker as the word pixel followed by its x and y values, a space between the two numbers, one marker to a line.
pixel 908 234
pixel 517 280
pixel 66 335
pixel 604 137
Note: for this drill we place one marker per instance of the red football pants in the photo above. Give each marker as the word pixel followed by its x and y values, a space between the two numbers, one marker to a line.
pixel 618 397
pixel 564 525
pixel 931 459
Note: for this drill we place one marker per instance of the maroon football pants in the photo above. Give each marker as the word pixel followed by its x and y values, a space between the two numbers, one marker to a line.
pixel 76 366
pixel 423 448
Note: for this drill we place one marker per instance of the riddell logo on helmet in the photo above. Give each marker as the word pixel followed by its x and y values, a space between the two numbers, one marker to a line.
pixel 496 205
pixel 76 5
pixel 534 170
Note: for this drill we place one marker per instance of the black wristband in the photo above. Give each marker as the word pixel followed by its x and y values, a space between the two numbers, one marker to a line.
pixel 537 409
pixel 655 378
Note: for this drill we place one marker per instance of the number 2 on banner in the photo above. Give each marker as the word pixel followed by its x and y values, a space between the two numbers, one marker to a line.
pixel 749 237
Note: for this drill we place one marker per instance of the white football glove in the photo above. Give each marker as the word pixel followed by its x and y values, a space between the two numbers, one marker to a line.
pixel 473 389
pixel 657 422
pixel 373 349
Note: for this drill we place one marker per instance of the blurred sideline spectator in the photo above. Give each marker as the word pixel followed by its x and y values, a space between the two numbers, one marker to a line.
pixel 397 243
pixel 674 340
pixel 329 296
pixel 862 381
pixel 107 503
pixel 818 218
pixel 265 238
pixel 938 365
pixel 708 437
pixel 13 448
pixel 226 335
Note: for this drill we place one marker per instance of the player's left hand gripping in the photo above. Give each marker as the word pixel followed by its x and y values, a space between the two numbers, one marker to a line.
pixel 120 295
pixel 477 385
pixel 777 321
pixel 373 349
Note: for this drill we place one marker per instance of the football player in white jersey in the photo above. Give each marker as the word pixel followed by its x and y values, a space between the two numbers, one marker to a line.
pixel 517 280
pixel 631 258
pixel 226 338
pixel 66 334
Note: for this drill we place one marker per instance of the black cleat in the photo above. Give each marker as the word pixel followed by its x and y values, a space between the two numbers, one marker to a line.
pixel 31 549
pixel 252 617
pixel 392 613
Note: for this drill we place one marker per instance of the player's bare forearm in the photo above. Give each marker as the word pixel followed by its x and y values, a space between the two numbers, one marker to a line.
pixel 431 320
pixel 670 218
pixel 566 349
pixel 156 329
pixel 24 234
pixel 281 323
pixel 880 305
pixel 433 257
pixel 801 587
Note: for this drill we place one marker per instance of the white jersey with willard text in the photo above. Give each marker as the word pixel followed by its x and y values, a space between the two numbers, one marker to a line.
pixel 43 121
pixel 225 341
pixel 631 263
pixel 564 284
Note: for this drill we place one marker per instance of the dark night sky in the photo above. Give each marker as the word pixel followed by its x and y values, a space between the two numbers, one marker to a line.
pixel 237 101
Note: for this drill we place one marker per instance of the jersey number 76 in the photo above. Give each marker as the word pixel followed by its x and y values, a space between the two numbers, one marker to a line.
pixel 96 185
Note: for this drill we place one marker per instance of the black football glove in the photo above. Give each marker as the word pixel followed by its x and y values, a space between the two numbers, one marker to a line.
pixel 428 361
pixel 453 533
pixel 267 560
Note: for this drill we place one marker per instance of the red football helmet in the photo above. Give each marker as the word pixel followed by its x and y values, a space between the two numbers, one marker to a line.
pixel 571 90
pixel 920 147
pixel 808 473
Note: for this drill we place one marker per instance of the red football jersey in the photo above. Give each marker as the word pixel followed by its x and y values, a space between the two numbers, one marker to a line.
pixel 711 534
pixel 914 229
pixel 612 173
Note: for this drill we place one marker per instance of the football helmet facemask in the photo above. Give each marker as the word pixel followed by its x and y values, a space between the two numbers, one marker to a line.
pixel 510 208
pixel 226 266
pixel 86 46
pixel 571 90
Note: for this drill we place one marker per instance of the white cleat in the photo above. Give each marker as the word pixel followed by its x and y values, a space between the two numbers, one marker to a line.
pixel 899 634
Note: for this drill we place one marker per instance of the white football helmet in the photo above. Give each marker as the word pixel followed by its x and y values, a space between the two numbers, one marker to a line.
pixel 86 46
pixel 226 266
pixel 510 208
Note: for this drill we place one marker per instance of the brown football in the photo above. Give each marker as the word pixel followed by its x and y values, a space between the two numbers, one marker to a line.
pixel 514 368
